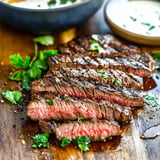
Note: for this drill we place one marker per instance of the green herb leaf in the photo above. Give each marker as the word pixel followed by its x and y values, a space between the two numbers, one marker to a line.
pixel 51 2
pixel 17 61
pixel 156 55
pixel 50 102
pixel 14 97
pixel 16 76
pixel 41 140
pixel 47 53
pixel 44 40
pixel 105 76
pixel 118 83
pixel 25 81
pixel 57 80
pixel 101 72
pixel 63 1
pixel 65 96
pixel 83 143
pixel 151 100
pixel 80 119
pixel 65 141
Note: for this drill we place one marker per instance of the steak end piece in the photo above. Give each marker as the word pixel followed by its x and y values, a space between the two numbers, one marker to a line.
pixel 97 130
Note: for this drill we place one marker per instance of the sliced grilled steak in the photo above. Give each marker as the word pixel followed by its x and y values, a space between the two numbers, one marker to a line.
pixel 97 130
pixel 111 47
pixel 72 108
pixel 110 76
pixel 76 88
pixel 139 64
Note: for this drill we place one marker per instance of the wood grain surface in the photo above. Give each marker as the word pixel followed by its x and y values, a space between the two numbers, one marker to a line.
pixel 16 131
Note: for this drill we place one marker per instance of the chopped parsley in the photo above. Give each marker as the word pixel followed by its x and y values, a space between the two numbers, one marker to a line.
pixel 41 140
pixel 14 97
pixel 57 80
pixel 101 72
pixel 65 96
pixel 151 100
pixel 50 102
pixel 65 141
pixel 118 83
pixel 83 143
pixel 80 119
pixel 105 76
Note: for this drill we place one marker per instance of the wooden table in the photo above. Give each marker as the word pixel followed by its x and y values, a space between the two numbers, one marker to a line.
pixel 14 135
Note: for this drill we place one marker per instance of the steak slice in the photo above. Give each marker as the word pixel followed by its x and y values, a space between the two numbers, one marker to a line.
pixel 139 64
pixel 104 77
pixel 111 47
pixel 76 88
pixel 97 130
pixel 72 108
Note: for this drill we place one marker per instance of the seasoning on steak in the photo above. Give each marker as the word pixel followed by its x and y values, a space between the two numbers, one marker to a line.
pixel 140 64
pixel 77 88
pixel 104 76
pixel 97 130
pixel 72 108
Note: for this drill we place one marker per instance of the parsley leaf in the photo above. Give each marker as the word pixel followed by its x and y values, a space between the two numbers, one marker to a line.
pixel 44 40
pixel 156 55
pixel 65 96
pixel 101 72
pixel 17 61
pixel 41 140
pixel 65 141
pixel 14 97
pixel 47 53
pixel 118 83
pixel 16 76
pixel 83 143
pixel 151 100
pixel 50 102
pixel 80 119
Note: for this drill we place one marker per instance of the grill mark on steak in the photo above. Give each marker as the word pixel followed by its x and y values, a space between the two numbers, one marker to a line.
pixel 72 108
pixel 109 77
pixel 120 95
pixel 141 64
pixel 97 130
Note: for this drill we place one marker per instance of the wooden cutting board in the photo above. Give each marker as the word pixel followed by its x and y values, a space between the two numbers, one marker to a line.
pixel 16 131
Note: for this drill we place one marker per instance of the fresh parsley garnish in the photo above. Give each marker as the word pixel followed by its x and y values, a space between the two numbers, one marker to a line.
pixel 17 61
pixel 105 76
pixel 83 143
pixel 80 119
pixel 50 102
pixel 41 140
pixel 14 97
pixel 118 83
pixel 65 96
pixel 51 2
pixel 57 80
pixel 38 65
pixel 101 72
pixel 151 100
pixel 44 40
pixel 65 141
pixel 156 55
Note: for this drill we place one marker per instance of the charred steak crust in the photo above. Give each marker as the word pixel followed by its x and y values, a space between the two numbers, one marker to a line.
pixel 105 77
pixel 72 108
pixel 76 88
pixel 115 55
pixel 97 130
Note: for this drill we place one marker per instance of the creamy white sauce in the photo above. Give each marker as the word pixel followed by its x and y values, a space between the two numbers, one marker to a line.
pixel 40 4
pixel 140 17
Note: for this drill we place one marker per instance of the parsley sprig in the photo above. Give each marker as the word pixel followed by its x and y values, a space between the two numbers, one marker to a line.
pixel 35 68
pixel 41 140
pixel 151 100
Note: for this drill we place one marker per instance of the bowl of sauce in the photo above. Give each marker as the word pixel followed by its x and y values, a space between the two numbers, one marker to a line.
pixel 46 16
pixel 137 21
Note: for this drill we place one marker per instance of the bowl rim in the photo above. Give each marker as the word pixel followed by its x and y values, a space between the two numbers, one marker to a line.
pixel 107 18
pixel 74 5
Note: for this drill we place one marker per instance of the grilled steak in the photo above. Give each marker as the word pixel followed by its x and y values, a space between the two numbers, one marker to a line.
pixel 97 130
pixel 76 88
pixel 72 108
pixel 104 77
pixel 140 64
